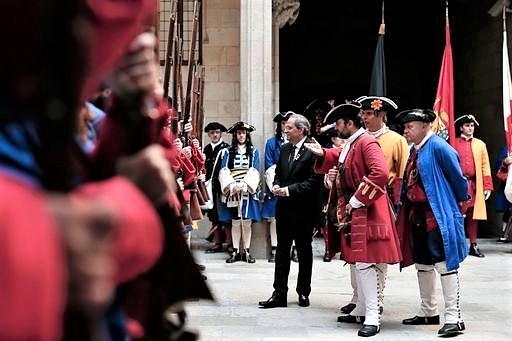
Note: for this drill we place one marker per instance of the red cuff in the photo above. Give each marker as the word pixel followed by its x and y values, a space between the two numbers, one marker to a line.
pixel 488 183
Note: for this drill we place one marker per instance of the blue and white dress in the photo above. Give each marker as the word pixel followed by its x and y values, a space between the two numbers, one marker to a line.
pixel 272 152
pixel 243 172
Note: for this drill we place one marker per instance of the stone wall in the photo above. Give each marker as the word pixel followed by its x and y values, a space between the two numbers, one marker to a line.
pixel 221 57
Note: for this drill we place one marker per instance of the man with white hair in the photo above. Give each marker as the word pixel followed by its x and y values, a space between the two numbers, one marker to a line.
pixel 430 222
pixel 297 189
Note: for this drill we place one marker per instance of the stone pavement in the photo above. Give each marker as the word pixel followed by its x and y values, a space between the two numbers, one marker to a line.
pixel 486 300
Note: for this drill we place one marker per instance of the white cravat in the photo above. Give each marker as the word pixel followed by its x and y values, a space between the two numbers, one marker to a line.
pixel 347 146
pixel 380 132
pixel 216 143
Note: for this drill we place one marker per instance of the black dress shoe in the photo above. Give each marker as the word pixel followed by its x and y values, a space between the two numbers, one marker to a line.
pixel 348 308
pixel 417 320
pixel 276 301
pixel 451 329
pixel 201 267
pixel 272 258
pixel 351 319
pixel 368 330
pixel 475 251
pixel 303 301
pixel 294 257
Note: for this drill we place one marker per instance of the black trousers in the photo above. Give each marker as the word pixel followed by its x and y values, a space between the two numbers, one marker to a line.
pixel 287 232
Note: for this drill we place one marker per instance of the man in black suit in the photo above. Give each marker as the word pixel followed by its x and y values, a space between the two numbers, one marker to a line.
pixel 297 189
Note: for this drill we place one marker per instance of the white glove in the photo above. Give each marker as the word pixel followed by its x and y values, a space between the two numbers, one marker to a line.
pixel 487 194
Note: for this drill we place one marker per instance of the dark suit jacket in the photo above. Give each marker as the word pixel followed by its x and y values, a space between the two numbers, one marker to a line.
pixel 303 204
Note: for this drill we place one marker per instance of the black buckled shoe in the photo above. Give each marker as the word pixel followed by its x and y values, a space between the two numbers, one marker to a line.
pixel 351 319
pixel 419 320
pixel 303 301
pixel 347 309
pixel 276 301
pixel 368 330
pixel 475 251
pixel 246 257
pixel 234 257
pixel 451 329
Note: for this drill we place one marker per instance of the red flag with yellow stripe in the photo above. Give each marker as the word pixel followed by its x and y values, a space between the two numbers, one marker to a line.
pixel 444 102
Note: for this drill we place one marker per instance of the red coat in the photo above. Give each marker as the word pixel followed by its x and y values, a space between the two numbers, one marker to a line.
pixel 33 276
pixel 32 266
pixel 373 236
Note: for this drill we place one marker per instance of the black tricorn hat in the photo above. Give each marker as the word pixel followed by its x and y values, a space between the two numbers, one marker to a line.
pixel 467 118
pixel 421 115
pixel 376 103
pixel 348 111
pixel 318 105
pixel 282 116
pixel 241 126
pixel 214 126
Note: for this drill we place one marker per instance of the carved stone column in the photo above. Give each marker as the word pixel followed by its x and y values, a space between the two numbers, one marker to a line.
pixel 256 66
pixel 256 91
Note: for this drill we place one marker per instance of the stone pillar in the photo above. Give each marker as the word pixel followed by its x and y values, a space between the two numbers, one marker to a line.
pixel 256 96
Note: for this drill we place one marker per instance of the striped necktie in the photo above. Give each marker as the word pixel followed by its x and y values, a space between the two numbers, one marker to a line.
pixel 291 157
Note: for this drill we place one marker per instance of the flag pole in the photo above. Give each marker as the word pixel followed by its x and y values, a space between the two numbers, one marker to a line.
pixel 378 75
pixel 507 86
pixel 444 102
pixel 382 28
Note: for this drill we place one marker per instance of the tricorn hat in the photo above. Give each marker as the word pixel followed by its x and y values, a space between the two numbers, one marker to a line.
pixel 214 126
pixel 421 115
pixel 467 118
pixel 282 116
pixel 347 111
pixel 241 126
pixel 376 103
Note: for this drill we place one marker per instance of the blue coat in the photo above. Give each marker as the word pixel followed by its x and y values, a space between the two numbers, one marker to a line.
pixel 272 151
pixel 445 187
pixel 501 204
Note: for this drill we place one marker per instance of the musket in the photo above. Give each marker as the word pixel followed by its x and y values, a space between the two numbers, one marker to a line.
pixel 169 52
pixel 193 38
pixel 175 277
pixel 195 102
pixel 178 48
pixel 200 116
pixel 202 193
